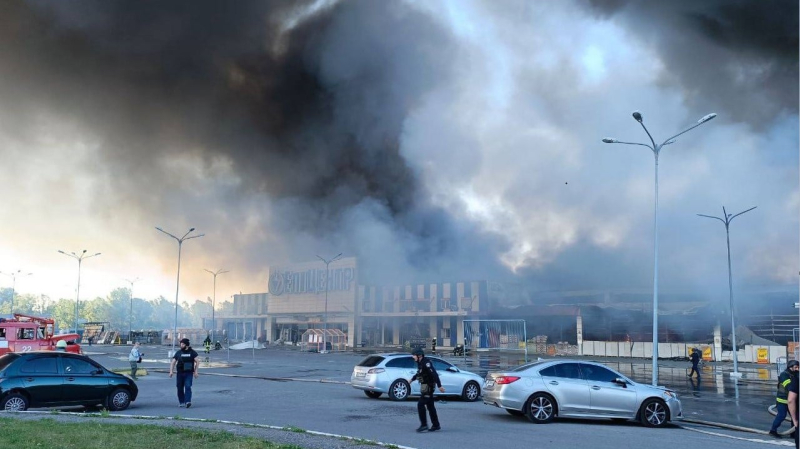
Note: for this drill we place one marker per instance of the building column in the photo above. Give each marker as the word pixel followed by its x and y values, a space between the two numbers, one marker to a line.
pixel 396 331
pixel 579 322
pixel 717 343
pixel 353 334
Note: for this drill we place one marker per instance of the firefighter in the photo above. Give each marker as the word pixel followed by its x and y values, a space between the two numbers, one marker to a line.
pixel 788 376
pixel 428 381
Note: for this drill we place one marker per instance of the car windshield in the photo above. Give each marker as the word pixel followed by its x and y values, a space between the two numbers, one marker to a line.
pixel 7 359
pixel 525 367
pixel 373 360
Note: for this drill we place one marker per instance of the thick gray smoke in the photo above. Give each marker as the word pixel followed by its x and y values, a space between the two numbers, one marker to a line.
pixel 286 129
pixel 740 54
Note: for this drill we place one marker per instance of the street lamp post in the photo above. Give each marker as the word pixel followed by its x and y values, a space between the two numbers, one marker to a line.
pixel 79 258
pixel 13 275
pixel 214 300
pixel 656 149
pixel 178 282
pixel 327 284
pixel 728 218
pixel 130 316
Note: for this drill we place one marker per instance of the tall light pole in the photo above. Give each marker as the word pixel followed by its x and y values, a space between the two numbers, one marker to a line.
pixel 14 275
pixel 727 221
pixel 178 282
pixel 656 149
pixel 79 258
pixel 214 300
pixel 327 284
pixel 130 315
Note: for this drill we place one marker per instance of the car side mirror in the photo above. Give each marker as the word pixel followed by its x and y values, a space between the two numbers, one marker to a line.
pixel 621 381
pixel 452 369
pixel 99 371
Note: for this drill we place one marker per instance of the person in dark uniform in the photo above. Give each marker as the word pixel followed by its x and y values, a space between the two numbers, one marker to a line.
pixel 428 381
pixel 695 358
pixel 186 362
pixel 793 403
pixel 782 398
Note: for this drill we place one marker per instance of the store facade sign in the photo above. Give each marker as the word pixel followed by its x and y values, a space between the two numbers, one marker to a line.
pixel 311 281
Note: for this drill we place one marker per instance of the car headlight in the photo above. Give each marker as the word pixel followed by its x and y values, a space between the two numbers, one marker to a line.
pixel 670 395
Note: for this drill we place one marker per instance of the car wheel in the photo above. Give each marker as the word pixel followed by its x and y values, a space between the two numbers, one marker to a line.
pixel 514 412
pixel 119 399
pixel 372 394
pixel 471 392
pixel 653 413
pixel 399 390
pixel 540 408
pixel 15 402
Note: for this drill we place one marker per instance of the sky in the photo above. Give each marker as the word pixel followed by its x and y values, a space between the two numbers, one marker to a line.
pixel 433 140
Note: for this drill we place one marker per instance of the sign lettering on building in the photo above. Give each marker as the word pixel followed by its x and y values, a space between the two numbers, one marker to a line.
pixel 310 281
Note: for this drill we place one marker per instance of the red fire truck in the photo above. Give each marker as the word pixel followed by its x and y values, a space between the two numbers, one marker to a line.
pixel 25 333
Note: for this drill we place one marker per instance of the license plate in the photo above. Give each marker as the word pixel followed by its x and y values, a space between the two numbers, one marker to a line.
pixel 361 374
pixel 489 383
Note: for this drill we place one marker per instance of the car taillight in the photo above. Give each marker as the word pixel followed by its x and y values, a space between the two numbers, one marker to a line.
pixel 376 371
pixel 505 380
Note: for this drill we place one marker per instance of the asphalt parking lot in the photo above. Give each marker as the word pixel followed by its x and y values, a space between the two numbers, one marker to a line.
pixel 301 392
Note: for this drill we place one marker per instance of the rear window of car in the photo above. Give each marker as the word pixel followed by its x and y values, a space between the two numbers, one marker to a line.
pixel 41 365
pixel 7 359
pixel 525 367
pixel 373 360
pixel 402 362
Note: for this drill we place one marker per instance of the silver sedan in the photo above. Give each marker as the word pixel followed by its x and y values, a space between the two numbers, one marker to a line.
pixel 391 374
pixel 577 389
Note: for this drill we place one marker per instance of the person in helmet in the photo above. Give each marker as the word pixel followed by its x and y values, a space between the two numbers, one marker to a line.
pixel 428 381
pixel 788 376
pixel 61 345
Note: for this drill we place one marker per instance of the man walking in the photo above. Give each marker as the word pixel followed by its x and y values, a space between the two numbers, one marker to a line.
pixel 695 358
pixel 186 362
pixel 782 398
pixel 134 358
pixel 428 381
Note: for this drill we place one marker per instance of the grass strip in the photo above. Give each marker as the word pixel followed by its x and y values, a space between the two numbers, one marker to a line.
pixel 49 433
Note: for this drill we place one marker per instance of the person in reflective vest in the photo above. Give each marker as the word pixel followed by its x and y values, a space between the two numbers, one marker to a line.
pixel 781 401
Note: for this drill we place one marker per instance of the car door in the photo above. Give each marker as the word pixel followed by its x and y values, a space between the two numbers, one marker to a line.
pixel 403 368
pixel 608 397
pixel 571 391
pixel 82 383
pixel 451 380
pixel 42 381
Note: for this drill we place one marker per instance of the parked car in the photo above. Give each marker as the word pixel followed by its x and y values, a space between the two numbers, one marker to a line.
pixel 578 389
pixel 391 374
pixel 56 379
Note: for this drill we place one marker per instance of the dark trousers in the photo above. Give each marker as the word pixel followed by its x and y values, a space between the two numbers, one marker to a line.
pixel 782 410
pixel 694 370
pixel 184 383
pixel 426 400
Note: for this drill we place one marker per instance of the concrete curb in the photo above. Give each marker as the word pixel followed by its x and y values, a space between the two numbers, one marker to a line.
pixel 733 427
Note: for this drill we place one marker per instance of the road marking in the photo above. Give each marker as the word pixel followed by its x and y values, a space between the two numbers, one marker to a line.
pixel 752 440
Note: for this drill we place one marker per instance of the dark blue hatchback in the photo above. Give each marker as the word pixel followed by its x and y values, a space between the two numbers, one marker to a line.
pixel 58 379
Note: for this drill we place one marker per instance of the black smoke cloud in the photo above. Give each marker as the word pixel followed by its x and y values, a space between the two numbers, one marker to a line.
pixel 310 116
pixel 712 48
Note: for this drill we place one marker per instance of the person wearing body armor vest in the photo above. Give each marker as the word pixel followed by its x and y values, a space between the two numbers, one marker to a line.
pixel 186 362
pixel 428 381
pixel 788 376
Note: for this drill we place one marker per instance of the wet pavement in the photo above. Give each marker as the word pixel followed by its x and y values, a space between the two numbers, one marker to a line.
pixel 714 397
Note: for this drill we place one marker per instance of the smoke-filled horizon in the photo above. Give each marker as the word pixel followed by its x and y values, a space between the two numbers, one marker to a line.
pixel 432 140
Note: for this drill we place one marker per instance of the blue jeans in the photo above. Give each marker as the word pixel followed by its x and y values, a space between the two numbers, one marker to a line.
pixel 782 409
pixel 184 384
